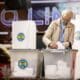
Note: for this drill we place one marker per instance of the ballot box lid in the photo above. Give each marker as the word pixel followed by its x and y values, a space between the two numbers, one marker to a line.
pixel 56 51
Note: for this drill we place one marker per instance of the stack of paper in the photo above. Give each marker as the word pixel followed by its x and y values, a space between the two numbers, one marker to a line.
pixel 50 69
pixel 63 69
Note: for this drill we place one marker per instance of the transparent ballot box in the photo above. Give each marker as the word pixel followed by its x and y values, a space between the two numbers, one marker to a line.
pixel 24 63
pixel 56 64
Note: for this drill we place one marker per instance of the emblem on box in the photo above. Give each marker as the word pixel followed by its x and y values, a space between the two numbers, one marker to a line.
pixel 20 37
pixel 22 63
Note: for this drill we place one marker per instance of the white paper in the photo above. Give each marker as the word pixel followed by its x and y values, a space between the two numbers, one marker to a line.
pixel 50 70
pixel 63 69
pixel 64 72
pixel 60 70
pixel 60 45
pixel 61 63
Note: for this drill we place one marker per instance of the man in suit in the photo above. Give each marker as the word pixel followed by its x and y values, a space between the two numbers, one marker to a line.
pixel 61 30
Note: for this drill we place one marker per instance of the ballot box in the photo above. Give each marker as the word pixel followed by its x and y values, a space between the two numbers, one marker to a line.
pixel 57 64
pixel 24 64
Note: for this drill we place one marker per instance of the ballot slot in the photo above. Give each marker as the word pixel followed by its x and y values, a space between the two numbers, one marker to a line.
pixel 58 51
pixel 57 65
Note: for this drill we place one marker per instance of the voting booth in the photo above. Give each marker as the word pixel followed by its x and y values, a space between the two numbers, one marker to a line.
pixel 57 64
pixel 23 34
pixel 24 63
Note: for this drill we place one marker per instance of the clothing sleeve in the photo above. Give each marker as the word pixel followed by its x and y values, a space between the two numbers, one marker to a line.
pixel 48 34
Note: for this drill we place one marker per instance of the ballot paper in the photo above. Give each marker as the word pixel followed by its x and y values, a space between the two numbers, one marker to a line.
pixel 61 63
pixel 63 69
pixel 60 45
pixel 50 69
pixel 63 72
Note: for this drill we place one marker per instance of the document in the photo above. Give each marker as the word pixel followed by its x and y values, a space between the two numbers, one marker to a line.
pixel 60 45
pixel 50 69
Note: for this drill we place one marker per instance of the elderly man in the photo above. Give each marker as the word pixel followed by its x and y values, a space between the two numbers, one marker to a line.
pixel 61 30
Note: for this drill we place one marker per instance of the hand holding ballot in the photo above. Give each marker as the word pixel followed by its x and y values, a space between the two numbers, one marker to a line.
pixel 53 45
pixel 60 45
pixel 61 29
pixel 57 45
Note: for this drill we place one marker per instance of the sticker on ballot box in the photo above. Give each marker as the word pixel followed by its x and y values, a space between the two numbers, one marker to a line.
pixel 20 37
pixel 21 69
pixel 22 64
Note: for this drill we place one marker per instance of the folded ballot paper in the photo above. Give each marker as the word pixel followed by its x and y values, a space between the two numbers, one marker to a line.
pixel 60 45
pixel 60 70
pixel 18 72
pixel 63 69
pixel 50 71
